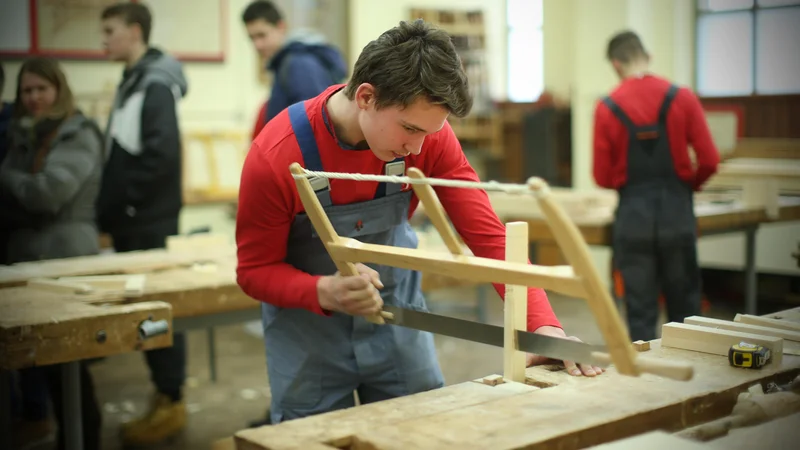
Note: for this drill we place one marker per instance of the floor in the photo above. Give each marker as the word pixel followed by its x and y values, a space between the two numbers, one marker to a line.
pixel 241 394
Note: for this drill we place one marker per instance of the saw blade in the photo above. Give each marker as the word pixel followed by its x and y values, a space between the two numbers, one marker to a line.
pixel 549 346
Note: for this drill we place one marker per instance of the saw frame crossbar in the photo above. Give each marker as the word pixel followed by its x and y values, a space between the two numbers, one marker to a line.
pixel 579 279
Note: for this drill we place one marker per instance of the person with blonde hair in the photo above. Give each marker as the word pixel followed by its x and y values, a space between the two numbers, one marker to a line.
pixel 49 182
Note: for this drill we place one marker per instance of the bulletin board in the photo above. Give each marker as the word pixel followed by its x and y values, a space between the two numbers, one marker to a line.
pixel 726 124
pixel 70 29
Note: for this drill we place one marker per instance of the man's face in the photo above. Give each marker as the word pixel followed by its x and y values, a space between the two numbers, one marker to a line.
pixel 393 132
pixel 119 38
pixel 266 37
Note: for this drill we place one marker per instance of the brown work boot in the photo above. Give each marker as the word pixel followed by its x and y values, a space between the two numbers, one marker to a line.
pixel 31 433
pixel 164 420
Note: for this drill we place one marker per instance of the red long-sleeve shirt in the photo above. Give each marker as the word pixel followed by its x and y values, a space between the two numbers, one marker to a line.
pixel 268 202
pixel 641 98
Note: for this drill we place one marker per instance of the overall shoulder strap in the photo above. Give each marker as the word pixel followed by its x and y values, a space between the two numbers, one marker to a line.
pixel 397 168
pixel 304 135
pixel 671 94
pixel 620 114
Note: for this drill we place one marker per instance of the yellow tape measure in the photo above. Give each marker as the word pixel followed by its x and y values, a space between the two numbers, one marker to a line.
pixel 748 356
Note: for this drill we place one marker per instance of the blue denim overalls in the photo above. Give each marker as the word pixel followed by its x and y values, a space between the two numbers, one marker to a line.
pixel 315 362
pixel 654 232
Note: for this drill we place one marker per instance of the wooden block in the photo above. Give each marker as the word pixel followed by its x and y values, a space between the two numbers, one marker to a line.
pixel 641 346
pixel 767 322
pixel 715 341
pixel 493 380
pixel 65 287
pixel 743 327
pixel 134 286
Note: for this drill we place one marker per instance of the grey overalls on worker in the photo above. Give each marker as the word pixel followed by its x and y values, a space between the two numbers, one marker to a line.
pixel 654 234
pixel 315 362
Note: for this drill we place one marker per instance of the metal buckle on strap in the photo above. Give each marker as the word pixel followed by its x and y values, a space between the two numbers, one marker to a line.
pixel 319 183
pixel 396 168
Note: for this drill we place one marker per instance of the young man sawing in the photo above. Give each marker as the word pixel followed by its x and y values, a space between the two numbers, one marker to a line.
pixel 392 115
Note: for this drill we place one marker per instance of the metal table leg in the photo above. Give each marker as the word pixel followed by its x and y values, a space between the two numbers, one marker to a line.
pixel 751 279
pixel 71 394
pixel 5 409
pixel 212 355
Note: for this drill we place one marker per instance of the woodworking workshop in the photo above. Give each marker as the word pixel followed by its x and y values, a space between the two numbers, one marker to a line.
pixel 417 224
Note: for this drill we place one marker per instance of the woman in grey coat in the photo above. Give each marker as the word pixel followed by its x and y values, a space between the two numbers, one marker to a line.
pixel 51 174
pixel 49 182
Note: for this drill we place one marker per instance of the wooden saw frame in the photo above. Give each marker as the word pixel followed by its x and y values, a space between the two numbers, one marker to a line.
pixel 579 279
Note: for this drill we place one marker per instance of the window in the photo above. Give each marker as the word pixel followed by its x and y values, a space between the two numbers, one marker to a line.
pixel 747 47
pixel 525 50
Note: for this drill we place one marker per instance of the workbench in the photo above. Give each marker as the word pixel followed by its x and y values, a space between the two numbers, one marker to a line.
pixel 551 410
pixel 191 289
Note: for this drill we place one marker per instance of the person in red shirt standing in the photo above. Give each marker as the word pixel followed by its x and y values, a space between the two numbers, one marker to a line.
pixel 391 115
pixel 641 134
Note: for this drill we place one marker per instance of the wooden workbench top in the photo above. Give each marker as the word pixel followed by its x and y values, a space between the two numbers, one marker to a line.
pixel 40 327
pixel 565 413
pixel 47 329
pixel 201 289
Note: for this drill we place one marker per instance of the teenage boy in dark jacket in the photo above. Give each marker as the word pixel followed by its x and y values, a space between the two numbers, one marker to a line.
pixel 302 63
pixel 140 199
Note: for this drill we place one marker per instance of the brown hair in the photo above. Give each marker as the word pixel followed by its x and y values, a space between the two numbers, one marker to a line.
pixel 625 47
pixel 131 13
pixel 50 70
pixel 410 61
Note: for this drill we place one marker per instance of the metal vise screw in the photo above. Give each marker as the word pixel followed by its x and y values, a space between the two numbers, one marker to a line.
pixel 150 328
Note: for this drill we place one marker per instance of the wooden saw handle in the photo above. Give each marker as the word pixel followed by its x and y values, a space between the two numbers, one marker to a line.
pixel 679 371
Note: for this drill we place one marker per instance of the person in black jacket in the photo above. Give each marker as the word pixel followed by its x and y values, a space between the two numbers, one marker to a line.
pixel 140 199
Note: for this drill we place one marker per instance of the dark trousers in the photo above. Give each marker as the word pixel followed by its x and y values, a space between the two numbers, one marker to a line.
pixel 167 365
pixel 646 273
pixel 90 411
pixel 31 401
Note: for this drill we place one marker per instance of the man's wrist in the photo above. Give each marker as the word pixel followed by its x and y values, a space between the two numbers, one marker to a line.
pixel 324 293
pixel 550 330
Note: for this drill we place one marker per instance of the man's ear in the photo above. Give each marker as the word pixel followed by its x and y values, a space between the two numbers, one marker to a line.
pixel 365 96
pixel 281 26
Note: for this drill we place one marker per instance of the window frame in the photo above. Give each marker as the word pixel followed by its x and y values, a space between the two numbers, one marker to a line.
pixel 753 11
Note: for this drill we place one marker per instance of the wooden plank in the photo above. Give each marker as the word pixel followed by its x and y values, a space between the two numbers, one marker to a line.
pixel 473 268
pixel 715 341
pixel 341 426
pixel 515 308
pixel 47 330
pixel 64 286
pixel 744 327
pixel 768 322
